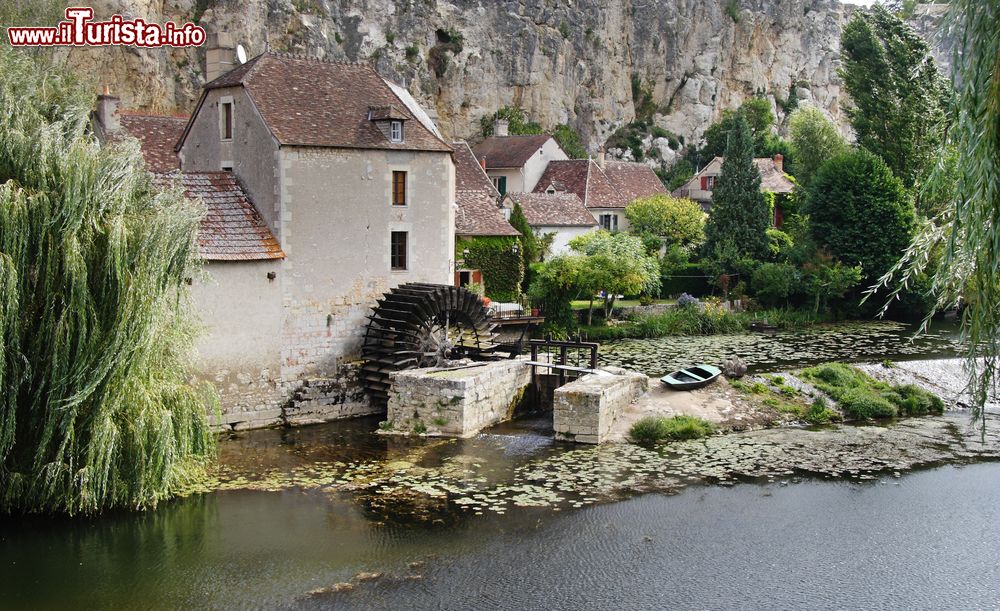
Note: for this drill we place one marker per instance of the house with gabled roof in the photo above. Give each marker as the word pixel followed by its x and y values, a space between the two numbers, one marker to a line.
pixel 515 163
pixel 604 187
pixel 772 180
pixel 325 185
pixel 561 214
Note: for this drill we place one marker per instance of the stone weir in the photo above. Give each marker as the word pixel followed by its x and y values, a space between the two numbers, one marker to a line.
pixel 462 401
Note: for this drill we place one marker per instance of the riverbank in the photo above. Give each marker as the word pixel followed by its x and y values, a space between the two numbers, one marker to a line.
pixel 705 319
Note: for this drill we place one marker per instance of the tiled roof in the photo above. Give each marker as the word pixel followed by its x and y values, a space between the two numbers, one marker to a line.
pixel 771 180
pixel 157 136
pixel 556 209
pixel 509 151
pixel 635 180
pixel 469 174
pixel 614 187
pixel 478 214
pixel 307 101
pixel 232 229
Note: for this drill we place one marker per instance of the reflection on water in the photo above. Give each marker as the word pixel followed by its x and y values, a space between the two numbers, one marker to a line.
pixel 769 352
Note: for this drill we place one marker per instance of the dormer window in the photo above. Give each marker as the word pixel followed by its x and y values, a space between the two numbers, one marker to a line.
pixel 395 131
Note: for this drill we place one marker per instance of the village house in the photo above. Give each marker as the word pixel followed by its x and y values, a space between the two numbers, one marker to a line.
pixel 478 212
pixel 561 214
pixel 604 187
pixel 325 185
pixel 772 180
pixel 516 163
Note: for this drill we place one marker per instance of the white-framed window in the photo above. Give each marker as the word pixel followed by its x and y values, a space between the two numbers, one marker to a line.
pixel 226 118
pixel 609 221
pixel 500 182
pixel 396 131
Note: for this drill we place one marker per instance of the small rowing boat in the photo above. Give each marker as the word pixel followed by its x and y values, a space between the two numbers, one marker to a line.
pixel 692 377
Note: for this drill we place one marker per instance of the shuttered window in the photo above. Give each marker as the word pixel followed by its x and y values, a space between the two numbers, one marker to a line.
pixel 399 188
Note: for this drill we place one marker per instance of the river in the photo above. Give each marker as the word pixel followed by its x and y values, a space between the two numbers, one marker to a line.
pixel 332 516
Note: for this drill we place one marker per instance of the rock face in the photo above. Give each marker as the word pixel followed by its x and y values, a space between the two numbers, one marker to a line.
pixel 587 63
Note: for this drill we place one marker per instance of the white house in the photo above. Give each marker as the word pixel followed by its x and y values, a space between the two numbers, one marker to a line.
pixel 561 214
pixel 516 163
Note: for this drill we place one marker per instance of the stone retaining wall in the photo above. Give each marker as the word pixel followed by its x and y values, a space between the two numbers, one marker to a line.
pixel 585 411
pixel 455 402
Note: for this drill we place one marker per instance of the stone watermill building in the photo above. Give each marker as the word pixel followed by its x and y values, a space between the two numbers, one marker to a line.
pixel 325 185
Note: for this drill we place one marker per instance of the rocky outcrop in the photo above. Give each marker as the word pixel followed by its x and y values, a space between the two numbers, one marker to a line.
pixel 581 62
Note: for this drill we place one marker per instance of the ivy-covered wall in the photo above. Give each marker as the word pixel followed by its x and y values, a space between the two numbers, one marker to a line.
pixel 502 267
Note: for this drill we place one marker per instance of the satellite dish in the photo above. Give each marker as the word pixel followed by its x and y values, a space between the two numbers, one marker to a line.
pixel 241 54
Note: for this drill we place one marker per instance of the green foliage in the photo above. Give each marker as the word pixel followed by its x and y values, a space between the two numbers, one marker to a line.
pixel 530 249
pixel 896 90
pixel 677 174
pixel 684 278
pixel 820 413
pixel 412 52
pixel 564 30
pixel 554 285
pixel 860 212
pixel 824 279
pixel 759 118
pixel 517 122
pixel 732 9
pixel 616 263
pixel 97 411
pixel 779 244
pixel 503 269
pixel 815 139
pixel 740 216
pixel 674 221
pixel 861 397
pixel 570 142
pixel 676 428
pixel 967 232
pixel 642 99
pixel 773 283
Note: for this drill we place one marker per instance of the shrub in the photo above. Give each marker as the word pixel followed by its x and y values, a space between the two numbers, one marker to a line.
pixel 773 282
pixel 677 428
pixel 862 404
pixel 687 301
pixel 820 413
pixel 915 401
pixel 503 269
pixel 862 397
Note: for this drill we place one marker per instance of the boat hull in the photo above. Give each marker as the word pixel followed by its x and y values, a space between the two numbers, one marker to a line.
pixel 691 378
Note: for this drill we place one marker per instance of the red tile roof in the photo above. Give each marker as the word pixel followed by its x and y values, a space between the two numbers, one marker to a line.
pixel 478 212
pixel 553 210
pixel 615 186
pixel 157 136
pixel 232 229
pixel 509 151
pixel 307 101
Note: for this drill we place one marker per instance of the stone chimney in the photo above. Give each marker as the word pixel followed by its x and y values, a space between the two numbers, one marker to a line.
pixel 600 157
pixel 107 111
pixel 220 55
pixel 779 163
pixel 500 128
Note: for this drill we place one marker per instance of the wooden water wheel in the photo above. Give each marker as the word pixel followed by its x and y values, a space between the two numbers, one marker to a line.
pixel 421 325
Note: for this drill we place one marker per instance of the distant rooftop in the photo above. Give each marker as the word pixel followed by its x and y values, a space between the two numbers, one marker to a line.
pixel 509 151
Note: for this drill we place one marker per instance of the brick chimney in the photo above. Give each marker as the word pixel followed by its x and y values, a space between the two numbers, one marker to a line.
pixel 600 157
pixel 107 111
pixel 482 162
pixel 500 128
pixel 220 55
pixel 779 163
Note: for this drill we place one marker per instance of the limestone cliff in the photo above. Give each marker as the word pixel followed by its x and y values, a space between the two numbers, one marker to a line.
pixel 565 61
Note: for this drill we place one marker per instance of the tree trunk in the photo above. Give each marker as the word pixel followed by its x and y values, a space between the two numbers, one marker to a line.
pixel 590 311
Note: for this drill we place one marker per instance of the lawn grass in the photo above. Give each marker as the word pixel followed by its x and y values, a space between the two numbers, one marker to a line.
pixel 582 304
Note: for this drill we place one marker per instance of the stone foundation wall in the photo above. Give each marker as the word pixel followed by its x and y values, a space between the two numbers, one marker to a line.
pixel 253 402
pixel 584 411
pixel 455 402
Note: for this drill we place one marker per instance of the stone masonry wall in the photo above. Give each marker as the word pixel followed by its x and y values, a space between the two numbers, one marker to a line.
pixel 585 410
pixel 455 402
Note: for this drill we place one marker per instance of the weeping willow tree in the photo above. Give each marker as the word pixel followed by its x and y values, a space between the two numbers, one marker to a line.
pixel 967 232
pixel 95 406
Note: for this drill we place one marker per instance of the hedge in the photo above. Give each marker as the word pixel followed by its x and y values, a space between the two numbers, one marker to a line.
pixel 502 268
pixel 686 278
